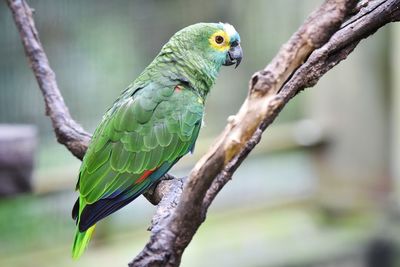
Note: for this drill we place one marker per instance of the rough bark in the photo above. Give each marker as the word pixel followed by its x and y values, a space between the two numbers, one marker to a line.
pixel 328 36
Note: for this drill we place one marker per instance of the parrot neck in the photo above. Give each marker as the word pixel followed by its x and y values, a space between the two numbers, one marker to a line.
pixel 198 72
pixel 201 74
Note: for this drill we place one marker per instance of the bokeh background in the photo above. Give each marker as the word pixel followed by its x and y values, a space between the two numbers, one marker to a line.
pixel 322 188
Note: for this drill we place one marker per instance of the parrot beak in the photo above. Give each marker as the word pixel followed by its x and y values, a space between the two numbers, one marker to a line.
pixel 234 55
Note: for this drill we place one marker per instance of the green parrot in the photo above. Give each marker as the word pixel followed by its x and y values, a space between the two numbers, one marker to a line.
pixel 153 123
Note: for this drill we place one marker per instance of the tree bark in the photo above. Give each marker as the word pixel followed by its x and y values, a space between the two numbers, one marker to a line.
pixel 328 36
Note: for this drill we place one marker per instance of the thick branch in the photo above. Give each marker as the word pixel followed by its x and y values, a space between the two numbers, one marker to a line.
pixel 370 18
pixel 167 244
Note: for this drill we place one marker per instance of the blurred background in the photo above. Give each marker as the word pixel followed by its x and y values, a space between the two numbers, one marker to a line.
pixel 322 188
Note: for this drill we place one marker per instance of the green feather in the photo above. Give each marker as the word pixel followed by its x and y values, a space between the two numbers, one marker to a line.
pixel 155 158
pixel 128 121
pixel 81 241
pixel 132 141
pixel 154 122
pixel 141 115
pixel 96 160
pixel 138 163
pixel 173 125
pixel 163 136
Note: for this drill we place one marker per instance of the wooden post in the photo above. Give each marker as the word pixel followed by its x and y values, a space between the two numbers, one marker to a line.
pixel 17 147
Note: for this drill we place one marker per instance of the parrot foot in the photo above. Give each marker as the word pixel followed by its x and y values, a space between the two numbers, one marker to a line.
pixel 150 194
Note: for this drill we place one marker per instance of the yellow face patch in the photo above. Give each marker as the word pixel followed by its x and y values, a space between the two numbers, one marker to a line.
pixel 220 41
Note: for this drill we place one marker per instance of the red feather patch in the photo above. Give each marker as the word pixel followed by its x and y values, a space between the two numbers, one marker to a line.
pixel 144 176
pixel 178 89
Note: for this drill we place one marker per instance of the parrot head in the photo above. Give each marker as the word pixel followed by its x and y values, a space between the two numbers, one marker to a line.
pixel 224 44
pixel 218 43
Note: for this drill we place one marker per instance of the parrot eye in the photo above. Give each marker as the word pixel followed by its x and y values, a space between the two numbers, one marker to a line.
pixel 219 39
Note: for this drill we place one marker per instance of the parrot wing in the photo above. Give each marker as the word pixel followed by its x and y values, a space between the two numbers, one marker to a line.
pixel 139 139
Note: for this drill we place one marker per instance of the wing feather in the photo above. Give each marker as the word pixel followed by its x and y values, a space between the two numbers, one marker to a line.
pixel 146 131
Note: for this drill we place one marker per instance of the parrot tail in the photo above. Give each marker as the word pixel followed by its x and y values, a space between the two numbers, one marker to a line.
pixel 81 241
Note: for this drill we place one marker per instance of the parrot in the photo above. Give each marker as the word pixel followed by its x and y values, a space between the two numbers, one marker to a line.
pixel 153 123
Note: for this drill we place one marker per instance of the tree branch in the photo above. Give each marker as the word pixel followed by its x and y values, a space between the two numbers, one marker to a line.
pixel 68 132
pixel 169 240
pixel 182 205
pixel 370 17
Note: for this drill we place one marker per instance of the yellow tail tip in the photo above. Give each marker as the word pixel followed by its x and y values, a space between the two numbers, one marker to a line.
pixel 81 242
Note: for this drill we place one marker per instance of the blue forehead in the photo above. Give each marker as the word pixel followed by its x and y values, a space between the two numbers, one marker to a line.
pixel 235 38
pixel 230 30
